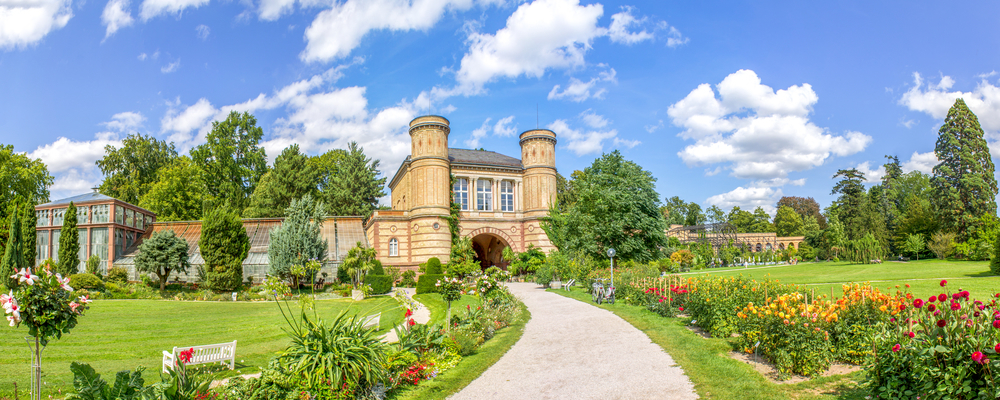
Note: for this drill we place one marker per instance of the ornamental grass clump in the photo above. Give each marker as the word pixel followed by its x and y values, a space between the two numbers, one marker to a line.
pixel 947 347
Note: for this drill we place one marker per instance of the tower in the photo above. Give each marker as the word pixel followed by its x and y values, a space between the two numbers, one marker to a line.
pixel 430 171
pixel 538 155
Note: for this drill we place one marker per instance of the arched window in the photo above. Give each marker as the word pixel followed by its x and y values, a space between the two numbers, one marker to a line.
pixel 393 247
pixel 758 247
pixel 769 246
pixel 781 246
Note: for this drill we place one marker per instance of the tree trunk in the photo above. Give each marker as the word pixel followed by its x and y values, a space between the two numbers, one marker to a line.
pixel 163 280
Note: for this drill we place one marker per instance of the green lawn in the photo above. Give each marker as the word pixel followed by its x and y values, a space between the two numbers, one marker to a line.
pixel 923 276
pixel 121 334
pixel 439 307
pixel 706 361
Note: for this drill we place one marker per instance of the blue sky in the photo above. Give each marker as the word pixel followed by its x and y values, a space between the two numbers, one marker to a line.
pixel 727 103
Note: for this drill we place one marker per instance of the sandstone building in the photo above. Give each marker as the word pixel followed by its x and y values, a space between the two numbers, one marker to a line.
pixel 502 198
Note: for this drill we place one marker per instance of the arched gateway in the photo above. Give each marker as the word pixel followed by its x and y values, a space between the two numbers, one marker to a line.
pixel 489 243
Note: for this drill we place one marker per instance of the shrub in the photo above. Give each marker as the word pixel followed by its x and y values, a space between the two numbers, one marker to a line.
pixel 94 265
pixel 377 268
pixel 117 275
pixel 434 266
pixel 381 284
pixel 86 281
pixel 426 283
pixel 995 261
pixel 224 245
pixel 408 279
pixel 342 353
pixel 342 275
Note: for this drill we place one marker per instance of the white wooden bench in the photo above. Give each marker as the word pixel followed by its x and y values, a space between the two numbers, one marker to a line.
pixel 372 320
pixel 222 353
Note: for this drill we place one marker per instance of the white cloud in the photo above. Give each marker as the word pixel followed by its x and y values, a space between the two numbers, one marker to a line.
pixel 24 23
pixel 587 141
pixel 166 69
pixel 142 57
pixel 654 128
pixel 620 24
pixel 539 35
pixel 923 162
pixel 202 31
pixel 756 132
pixel 674 38
pixel 936 100
pixel 747 198
pixel 181 124
pixel 871 175
pixel 579 91
pixel 116 15
pixel 478 134
pixel 503 127
pixel 125 122
pixel 270 10
pixel 338 30
pixel 154 8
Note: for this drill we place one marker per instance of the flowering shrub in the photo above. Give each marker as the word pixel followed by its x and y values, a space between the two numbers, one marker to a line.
pixel 45 304
pixel 944 347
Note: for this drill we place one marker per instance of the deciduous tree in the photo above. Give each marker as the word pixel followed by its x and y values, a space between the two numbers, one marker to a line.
pixel 180 193
pixel 788 223
pixel 804 206
pixel 232 159
pixel 131 170
pixel 22 180
pixel 963 182
pixel 162 254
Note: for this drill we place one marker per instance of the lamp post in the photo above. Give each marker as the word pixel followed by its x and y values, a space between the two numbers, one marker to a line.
pixel 611 254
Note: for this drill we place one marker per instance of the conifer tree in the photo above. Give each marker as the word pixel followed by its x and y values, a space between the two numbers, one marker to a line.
pixel 354 187
pixel 13 256
pixel 69 244
pixel 224 245
pixel 293 176
pixel 28 237
pixel 963 183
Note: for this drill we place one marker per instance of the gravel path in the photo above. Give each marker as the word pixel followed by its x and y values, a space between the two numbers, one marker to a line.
pixel 573 350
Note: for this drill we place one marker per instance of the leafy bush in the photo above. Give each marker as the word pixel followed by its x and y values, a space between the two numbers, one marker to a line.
pixel 342 353
pixel 381 284
pixel 94 265
pixel 90 386
pixel 86 281
pixel 377 268
pixel 408 279
pixel 342 275
pixel 995 261
pixel 426 283
pixel 946 351
pixel 434 266
pixel 117 275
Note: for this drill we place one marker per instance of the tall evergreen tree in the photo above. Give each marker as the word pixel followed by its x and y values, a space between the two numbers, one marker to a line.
pixel 292 177
pixel 28 237
pixel 298 239
pixel 224 245
pixel 963 182
pixel 13 255
pixel 354 186
pixel 69 244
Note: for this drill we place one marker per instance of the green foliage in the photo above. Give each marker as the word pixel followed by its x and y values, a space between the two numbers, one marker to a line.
pixel 526 262
pixel 117 275
pixel 463 258
pixel 865 250
pixel 48 307
pixel 131 169
pixel 747 222
pixel 995 261
pixel 294 175
pixel 13 256
pixel 94 266
pixel 963 183
pixel 342 276
pixel 86 281
pixel 426 283
pixel 69 244
pixel 805 207
pixel 342 352
pixel 377 268
pixel 358 262
pixel 28 237
pixel 408 279
pixel 224 245
pixel 788 223
pixel 25 183
pixel 381 284
pixel 678 212
pixel 299 238
pixel 351 185
pixel 434 266
pixel 180 193
pixel 617 206
pixel 942 244
pixel 232 159
pixel 162 254
pixel 89 385
pixel 914 244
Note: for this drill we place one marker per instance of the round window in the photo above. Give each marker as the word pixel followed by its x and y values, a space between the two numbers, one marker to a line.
pixel 437 225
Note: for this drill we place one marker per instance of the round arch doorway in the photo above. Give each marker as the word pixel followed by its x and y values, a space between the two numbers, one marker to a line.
pixel 489 250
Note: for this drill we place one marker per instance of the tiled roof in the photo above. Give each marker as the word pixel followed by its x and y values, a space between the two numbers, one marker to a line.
pixel 482 157
pixel 92 196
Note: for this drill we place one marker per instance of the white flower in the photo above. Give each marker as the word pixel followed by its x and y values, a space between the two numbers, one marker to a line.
pixel 64 283
pixel 25 276
pixel 84 300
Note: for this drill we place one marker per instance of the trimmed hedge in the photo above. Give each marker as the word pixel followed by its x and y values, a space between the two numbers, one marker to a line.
pixel 381 284
pixel 434 266
pixel 85 281
pixel 427 281
pixel 377 268
pixel 342 276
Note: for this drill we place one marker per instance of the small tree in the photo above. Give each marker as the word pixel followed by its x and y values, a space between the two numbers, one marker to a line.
pixel 69 244
pixel 995 261
pixel 451 290
pixel 13 256
pixel 359 261
pixel 914 244
pixel 942 244
pixel 94 265
pixel 298 240
pixel 224 245
pixel 163 254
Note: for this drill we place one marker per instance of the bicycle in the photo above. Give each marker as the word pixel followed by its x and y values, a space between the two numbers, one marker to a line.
pixel 601 294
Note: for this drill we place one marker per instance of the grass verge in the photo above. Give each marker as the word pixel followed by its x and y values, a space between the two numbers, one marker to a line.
pixel 707 363
pixel 439 307
pixel 472 366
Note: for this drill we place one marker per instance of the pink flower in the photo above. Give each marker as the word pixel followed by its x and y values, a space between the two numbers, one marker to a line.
pixel 84 300
pixel 942 297
pixel 74 305
pixel 911 335
pixel 944 282
pixel 25 276
pixel 14 320
pixel 896 348
pixel 979 357
pixel 64 283
pixel 918 303
pixel 955 306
